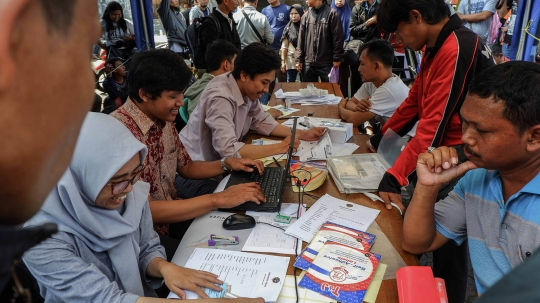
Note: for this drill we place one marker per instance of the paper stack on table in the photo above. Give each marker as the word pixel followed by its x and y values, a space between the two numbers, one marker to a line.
pixel 319 98
pixel 357 173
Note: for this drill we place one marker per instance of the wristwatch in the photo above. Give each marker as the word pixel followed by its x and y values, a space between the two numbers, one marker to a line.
pixel 223 164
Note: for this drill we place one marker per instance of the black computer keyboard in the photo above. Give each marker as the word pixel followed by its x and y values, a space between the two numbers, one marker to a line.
pixel 270 182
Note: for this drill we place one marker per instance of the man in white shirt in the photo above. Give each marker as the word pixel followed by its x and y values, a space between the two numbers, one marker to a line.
pixel 382 91
pixel 259 21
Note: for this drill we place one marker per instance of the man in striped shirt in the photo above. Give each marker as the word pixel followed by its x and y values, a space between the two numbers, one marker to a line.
pixel 496 204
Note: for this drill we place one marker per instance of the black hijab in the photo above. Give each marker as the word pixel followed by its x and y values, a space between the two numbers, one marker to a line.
pixel 292 29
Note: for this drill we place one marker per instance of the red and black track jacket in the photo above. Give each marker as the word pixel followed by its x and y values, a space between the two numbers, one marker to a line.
pixel 435 99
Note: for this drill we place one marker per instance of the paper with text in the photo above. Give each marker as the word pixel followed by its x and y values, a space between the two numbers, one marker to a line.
pixel 265 238
pixel 328 208
pixel 249 275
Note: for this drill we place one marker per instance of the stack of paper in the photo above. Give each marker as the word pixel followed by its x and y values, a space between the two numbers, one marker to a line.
pixel 357 173
pixel 298 98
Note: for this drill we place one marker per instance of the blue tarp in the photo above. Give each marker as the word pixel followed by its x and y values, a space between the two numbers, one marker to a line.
pixel 143 41
pixel 526 49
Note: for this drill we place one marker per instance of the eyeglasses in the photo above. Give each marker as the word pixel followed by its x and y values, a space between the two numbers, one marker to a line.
pixel 119 187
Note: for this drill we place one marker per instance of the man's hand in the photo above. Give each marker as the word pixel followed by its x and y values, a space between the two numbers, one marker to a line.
pixel 238 194
pixel 343 103
pixel 274 112
pixel 312 134
pixel 244 164
pixel 363 105
pixel 286 143
pixel 372 20
pixel 388 198
pixel 299 67
pixel 179 279
pixel 440 166
pixel 336 64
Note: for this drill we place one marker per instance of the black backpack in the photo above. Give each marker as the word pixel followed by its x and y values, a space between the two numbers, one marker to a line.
pixel 193 39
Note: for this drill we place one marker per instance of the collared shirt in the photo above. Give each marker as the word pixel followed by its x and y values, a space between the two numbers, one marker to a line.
pixel 245 31
pixel 166 154
pixel 226 17
pixel 222 119
pixel 500 235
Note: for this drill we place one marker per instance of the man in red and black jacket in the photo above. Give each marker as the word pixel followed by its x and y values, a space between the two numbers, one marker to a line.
pixel 453 56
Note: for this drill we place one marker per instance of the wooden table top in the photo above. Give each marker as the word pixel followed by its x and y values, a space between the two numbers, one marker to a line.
pixel 390 221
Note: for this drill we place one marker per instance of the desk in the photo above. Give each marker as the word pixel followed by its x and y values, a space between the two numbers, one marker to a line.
pixel 390 221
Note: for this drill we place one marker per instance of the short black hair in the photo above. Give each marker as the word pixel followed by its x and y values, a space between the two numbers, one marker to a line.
pixel 496 49
pixel 218 1
pixel 521 95
pixel 156 71
pixel 217 52
pixel 58 14
pixel 379 50
pixel 256 59
pixel 391 12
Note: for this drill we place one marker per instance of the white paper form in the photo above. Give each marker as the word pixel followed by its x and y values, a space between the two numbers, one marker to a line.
pixel 250 275
pixel 328 208
pixel 265 238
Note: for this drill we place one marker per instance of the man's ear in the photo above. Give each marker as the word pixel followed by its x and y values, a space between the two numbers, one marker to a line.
pixel 144 95
pixel 415 16
pixel 10 35
pixel 534 138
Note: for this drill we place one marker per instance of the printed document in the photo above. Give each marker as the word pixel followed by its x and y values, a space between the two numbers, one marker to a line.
pixel 265 238
pixel 328 208
pixel 249 275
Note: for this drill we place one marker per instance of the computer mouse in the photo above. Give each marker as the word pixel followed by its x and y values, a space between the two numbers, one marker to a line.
pixel 238 221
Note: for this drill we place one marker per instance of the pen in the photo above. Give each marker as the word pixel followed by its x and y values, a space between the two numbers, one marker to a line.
pixel 303 124
pixel 276 161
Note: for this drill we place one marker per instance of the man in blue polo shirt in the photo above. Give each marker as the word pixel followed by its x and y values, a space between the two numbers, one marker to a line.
pixel 496 205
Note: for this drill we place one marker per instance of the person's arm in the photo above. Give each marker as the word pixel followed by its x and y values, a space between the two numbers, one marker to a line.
pixel 357 26
pixel 300 47
pixel 209 169
pixel 56 260
pixel 356 118
pixel 486 13
pixel 173 211
pixel 338 38
pixel 284 51
pixel 477 17
pixel 163 9
pixel 433 169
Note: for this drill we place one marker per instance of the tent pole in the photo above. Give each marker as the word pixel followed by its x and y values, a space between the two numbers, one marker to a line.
pixel 145 27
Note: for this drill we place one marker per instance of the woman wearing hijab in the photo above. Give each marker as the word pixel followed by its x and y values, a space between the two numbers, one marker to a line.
pixel 289 42
pixel 106 249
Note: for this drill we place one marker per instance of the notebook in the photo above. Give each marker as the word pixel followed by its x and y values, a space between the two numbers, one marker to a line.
pixel 272 182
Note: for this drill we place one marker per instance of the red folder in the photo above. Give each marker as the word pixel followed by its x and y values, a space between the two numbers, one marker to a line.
pixel 416 284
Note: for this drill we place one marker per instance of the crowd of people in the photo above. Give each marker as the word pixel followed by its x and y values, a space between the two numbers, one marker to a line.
pixel 121 189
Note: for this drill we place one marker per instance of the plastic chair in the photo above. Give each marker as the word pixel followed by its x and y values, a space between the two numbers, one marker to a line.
pixel 183 110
